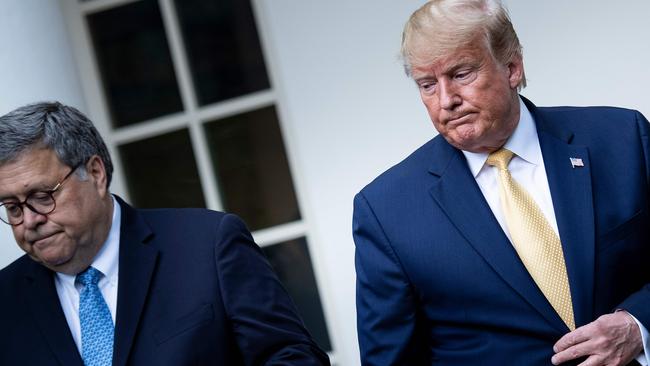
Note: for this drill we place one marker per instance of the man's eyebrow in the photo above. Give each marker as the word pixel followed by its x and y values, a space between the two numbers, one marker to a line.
pixel 461 63
pixel 425 74
pixel 41 187
pixel 423 77
pixel 8 198
pixel 37 188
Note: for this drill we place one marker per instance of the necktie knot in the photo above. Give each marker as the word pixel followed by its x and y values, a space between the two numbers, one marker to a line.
pixel 90 276
pixel 500 158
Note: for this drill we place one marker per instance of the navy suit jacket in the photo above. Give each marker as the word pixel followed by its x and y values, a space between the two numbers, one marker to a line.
pixel 194 289
pixel 439 283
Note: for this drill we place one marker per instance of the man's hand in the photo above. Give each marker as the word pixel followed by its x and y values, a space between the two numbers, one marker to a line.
pixel 611 340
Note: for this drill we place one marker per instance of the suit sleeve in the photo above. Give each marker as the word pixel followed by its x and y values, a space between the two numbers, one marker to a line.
pixel 386 306
pixel 265 322
pixel 638 304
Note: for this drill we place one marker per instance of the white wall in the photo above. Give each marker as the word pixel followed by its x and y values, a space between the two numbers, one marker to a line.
pixel 352 113
pixel 585 52
pixel 35 65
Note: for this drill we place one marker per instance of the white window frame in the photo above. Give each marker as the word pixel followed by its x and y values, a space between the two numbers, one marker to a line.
pixel 192 117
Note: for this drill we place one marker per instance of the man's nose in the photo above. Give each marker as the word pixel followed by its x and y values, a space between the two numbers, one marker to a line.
pixel 449 97
pixel 31 218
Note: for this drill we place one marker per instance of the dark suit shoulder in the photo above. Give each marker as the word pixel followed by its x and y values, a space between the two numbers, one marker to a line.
pixel 587 109
pixel 196 225
pixel 185 215
pixel 599 128
pixel 17 269
pixel 173 230
pixel 598 117
pixel 13 279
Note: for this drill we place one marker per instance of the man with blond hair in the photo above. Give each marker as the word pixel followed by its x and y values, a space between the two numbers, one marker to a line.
pixel 519 235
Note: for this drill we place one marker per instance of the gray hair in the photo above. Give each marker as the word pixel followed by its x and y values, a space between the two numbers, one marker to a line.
pixel 65 130
pixel 439 27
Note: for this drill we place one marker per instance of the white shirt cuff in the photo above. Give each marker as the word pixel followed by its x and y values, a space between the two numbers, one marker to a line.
pixel 643 358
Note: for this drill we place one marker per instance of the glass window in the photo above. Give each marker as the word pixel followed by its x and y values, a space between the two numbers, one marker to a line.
pixel 292 263
pixel 252 169
pixel 161 172
pixel 222 47
pixel 134 62
pixel 246 151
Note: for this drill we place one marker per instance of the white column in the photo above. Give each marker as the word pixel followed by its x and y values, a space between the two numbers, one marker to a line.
pixel 36 64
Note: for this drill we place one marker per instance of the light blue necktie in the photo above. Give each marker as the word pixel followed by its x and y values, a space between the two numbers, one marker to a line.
pixel 96 322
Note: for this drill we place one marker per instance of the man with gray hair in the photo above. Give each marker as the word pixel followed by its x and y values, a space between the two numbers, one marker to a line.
pixel 103 283
pixel 518 236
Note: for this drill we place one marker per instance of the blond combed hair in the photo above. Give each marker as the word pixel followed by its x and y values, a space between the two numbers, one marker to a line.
pixel 440 27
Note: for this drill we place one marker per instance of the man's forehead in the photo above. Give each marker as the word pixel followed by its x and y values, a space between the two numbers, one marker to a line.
pixel 433 49
pixel 34 157
pixel 31 170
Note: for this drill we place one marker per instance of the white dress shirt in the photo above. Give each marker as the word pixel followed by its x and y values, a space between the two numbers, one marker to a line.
pixel 527 168
pixel 107 262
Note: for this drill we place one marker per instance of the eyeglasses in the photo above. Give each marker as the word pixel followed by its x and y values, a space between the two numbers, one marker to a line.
pixel 41 202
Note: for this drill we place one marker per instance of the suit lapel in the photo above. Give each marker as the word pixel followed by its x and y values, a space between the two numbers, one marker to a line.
pixel 459 196
pixel 137 264
pixel 44 304
pixel 571 192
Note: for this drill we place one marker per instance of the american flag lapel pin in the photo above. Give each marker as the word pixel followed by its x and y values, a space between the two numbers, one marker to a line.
pixel 576 162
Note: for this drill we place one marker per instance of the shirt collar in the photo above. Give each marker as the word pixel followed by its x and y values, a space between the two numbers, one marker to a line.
pixel 523 142
pixel 107 259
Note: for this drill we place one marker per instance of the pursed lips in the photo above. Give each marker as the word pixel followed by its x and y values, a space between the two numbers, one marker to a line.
pixel 40 240
pixel 458 120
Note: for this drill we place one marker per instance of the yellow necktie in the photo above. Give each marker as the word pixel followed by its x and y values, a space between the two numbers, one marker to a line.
pixel 534 240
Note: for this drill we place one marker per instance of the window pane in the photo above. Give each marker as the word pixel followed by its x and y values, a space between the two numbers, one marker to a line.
pixel 161 171
pixel 292 263
pixel 252 169
pixel 223 48
pixel 134 62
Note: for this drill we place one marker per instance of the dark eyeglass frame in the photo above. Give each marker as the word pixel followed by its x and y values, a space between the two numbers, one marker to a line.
pixel 29 197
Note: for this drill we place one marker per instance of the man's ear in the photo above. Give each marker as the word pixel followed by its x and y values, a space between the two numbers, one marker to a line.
pixel 96 172
pixel 515 71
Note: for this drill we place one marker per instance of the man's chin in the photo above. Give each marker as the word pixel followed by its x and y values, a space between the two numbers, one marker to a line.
pixel 465 145
pixel 470 142
pixel 465 137
pixel 57 262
